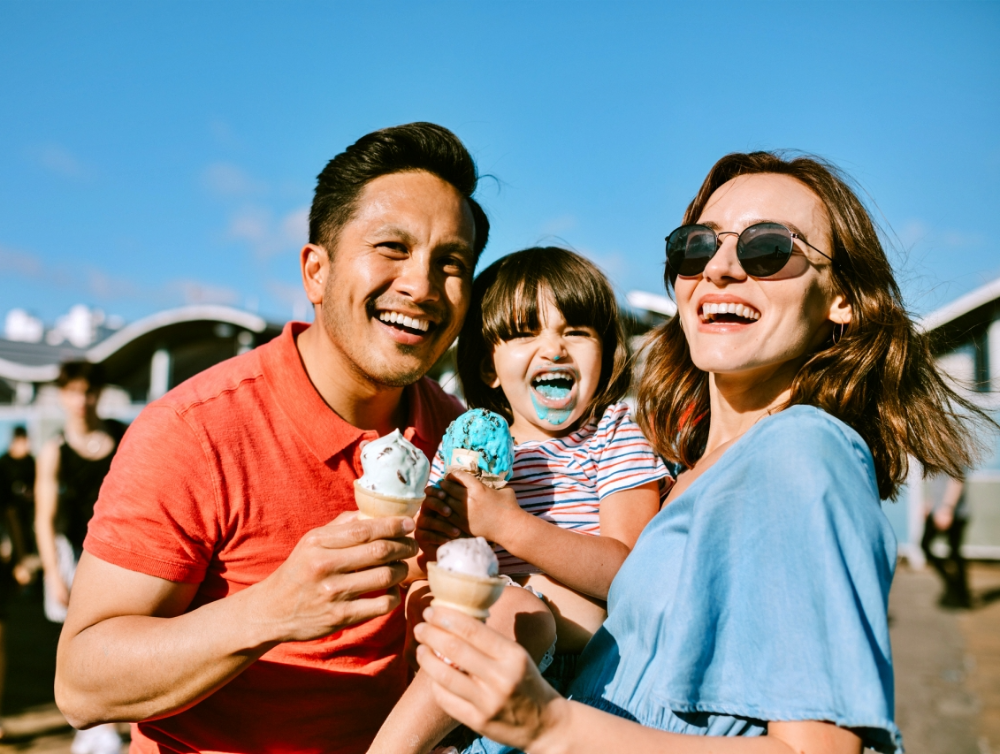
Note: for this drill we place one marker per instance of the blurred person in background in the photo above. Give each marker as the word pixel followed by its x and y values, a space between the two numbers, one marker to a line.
pixel 71 468
pixel 17 479
pixel 17 483
pixel 948 516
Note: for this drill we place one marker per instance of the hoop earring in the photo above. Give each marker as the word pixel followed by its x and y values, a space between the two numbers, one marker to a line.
pixel 838 333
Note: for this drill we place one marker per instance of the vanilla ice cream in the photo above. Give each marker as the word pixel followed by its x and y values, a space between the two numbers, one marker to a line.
pixel 473 557
pixel 394 467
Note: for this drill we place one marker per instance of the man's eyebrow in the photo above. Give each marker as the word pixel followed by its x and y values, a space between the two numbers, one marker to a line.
pixel 460 248
pixel 713 225
pixel 394 231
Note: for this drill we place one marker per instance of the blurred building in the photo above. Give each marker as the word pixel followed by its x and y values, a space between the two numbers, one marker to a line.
pixel 143 360
pixel 965 337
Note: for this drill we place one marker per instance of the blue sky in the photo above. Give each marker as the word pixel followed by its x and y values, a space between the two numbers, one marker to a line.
pixel 160 153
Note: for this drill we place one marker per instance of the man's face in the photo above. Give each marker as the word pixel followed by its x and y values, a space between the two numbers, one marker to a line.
pixel 399 281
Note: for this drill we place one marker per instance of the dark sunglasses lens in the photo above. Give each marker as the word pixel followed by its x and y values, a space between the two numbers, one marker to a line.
pixel 689 248
pixel 764 249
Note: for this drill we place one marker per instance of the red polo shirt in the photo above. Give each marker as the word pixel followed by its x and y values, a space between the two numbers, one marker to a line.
pixel 214 484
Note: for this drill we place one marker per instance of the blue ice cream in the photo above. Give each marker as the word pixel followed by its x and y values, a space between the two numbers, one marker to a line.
pixel 487 435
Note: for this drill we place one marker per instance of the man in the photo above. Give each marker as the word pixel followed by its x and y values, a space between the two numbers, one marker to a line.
pixel 226 596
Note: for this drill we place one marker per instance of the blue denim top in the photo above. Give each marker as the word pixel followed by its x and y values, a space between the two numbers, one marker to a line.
pixel 759 594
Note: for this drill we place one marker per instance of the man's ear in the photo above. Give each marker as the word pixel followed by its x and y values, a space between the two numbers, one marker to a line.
pixel 315 264
pixel 488 372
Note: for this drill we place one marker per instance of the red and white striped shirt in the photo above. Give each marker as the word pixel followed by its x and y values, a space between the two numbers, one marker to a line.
pixel 564 479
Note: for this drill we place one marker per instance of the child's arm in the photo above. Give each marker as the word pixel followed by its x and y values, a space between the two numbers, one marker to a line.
pixel 585 563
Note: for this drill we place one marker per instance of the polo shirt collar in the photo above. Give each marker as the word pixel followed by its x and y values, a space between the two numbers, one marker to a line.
pixel 322 428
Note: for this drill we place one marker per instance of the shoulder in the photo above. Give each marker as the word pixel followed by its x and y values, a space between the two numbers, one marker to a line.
pixel 800 468
pixel 808 434
pixel 616 426
pixel 236 379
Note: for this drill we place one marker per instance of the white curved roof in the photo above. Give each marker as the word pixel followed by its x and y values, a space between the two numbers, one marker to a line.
pixel 97 353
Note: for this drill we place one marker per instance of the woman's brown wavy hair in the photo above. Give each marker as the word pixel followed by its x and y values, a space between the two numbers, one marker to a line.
pixel 505 301
pixel 878 376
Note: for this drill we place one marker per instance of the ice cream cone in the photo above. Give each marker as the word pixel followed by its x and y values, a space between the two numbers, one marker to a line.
pixel 463 459
pixel 471 595
pixel 373 505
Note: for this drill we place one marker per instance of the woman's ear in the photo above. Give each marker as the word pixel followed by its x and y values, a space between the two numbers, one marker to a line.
pixel 488 372
pixel 841 311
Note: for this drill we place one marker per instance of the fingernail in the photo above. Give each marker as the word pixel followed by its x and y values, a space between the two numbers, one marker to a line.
pixel 408 524
pixel 455 532
pixel 418 630
pixel 445 511
pixel 428 613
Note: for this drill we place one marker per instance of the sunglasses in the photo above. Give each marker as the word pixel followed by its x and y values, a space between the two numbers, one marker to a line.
pixel 762 249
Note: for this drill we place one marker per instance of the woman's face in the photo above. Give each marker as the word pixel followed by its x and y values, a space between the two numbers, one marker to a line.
pixel 790 313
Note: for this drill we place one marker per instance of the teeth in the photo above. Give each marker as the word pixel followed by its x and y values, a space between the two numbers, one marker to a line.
pixel 397 318
pixel 549 376
pixel 709 311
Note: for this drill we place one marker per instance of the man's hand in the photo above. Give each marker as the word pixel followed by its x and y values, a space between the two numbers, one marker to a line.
pixel 319 589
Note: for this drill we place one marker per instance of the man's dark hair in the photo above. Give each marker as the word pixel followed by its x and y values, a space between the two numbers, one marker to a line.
pixel 92 374
pixel 400 149
pixel 20 431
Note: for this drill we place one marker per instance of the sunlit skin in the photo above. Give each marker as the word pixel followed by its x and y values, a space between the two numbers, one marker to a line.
pixel 556 347
pixel 751 363
pixel 407 251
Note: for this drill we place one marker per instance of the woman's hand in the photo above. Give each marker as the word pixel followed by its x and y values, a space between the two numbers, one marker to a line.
pixel 498 691
pixel 480 510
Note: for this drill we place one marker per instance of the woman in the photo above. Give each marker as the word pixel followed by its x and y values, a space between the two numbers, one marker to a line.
pixel 791 387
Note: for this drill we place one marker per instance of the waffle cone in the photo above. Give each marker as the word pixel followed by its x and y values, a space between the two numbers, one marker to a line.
pixel 463 459
pixel 373 505
pixel 471 595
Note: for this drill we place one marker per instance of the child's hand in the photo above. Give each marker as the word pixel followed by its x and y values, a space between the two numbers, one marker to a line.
pixel 484 509
pixel 437 523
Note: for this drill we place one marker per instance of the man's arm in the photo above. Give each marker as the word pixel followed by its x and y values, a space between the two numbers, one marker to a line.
pixel 129 652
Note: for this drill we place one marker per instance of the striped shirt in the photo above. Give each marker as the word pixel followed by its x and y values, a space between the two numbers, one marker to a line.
pixel 563 480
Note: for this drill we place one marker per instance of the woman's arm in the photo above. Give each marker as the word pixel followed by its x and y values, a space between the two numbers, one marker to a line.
pixel 46 505
pixel 585 563
pixel 499 693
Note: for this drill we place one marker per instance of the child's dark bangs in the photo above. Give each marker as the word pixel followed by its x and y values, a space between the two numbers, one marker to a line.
pixel 511 306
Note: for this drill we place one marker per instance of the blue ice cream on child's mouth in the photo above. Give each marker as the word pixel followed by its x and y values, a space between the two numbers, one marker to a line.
pixel 485 433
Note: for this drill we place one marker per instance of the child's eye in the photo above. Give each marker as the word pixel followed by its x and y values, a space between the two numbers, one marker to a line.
pixel 519 334
pixel 581 332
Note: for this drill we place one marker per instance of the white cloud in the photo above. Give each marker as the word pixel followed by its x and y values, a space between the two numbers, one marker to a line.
pixel 558 225
pixel 226 179
pixel 266 235
pixel 916 233
pixel 197 292
pixel 59 160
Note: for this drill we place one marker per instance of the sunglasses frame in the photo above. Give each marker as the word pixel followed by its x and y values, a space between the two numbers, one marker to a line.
pixel 793 236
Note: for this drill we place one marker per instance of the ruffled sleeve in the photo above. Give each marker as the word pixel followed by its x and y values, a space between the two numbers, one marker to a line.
pixel 780 613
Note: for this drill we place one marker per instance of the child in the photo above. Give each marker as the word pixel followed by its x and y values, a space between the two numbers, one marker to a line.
pixel 543 346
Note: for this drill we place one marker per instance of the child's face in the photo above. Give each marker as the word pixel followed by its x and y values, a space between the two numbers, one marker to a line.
pixel 549 376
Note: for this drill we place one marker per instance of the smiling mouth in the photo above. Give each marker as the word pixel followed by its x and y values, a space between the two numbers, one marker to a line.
pixel 554 388
pixel 728 313
pixel 406 323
